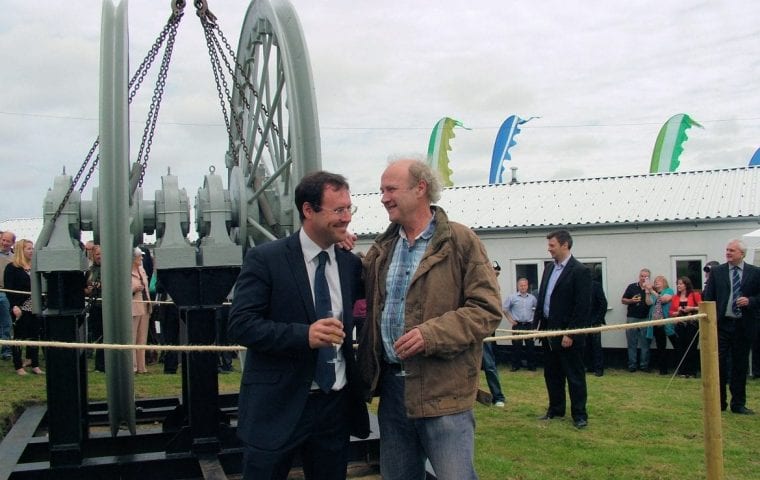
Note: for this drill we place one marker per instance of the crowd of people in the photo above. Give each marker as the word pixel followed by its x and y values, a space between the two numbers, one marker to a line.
pixel 425 297
pixel 18 322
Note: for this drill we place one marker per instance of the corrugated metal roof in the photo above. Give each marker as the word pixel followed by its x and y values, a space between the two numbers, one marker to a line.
pixel 731 193
pixel 30 228
pixel 633 199
pixel 27 228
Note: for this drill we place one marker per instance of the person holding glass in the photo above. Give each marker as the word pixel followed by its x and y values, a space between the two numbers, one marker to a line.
pixel 432 297
pixel 686 302
pixel 298 395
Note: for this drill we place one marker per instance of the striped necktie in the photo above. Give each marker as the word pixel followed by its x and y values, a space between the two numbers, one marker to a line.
pixel 736 289
pixel 325 372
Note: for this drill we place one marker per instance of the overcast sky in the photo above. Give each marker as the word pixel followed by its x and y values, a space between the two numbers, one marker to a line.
pixel 603 76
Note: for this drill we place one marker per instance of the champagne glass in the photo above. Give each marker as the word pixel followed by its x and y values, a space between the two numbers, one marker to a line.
pixel 336 358
pixel 398 332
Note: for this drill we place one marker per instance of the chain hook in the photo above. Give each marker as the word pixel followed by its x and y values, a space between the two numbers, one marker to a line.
pixel 178 6
pixel 201 8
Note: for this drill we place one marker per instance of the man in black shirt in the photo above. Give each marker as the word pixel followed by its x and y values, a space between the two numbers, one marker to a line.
pixel 638 310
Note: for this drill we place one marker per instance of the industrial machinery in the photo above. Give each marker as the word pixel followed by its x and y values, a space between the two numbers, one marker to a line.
pixel 267 98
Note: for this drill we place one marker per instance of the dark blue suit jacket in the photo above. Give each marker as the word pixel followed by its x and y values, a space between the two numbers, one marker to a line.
pixel 570 305
pixel 718 289
pixel 271 313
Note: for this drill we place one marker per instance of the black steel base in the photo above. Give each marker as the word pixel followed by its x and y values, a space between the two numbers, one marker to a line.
pixel 25 451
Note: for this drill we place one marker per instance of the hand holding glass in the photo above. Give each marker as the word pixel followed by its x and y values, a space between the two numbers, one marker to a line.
pixel 339 317
pixel 398 332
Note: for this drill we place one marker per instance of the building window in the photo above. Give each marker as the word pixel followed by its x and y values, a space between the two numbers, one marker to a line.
pixel 597 270
pixel 532 273
pixel 690 267
pixel 529 271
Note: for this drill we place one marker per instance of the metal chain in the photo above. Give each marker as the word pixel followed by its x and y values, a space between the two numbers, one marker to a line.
pixel 66 197
pixel 158 93
pixel 216 70
pixel 247 83
pixel 92 167
pixel 134 85
pixel 147 62
pixel 216 51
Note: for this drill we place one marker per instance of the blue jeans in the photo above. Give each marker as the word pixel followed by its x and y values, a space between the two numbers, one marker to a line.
pixel 405 443
pixel 492 374
pixel 635 338
pixel 5 323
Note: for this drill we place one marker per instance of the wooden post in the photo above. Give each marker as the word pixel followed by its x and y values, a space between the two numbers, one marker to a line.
pixel 708 340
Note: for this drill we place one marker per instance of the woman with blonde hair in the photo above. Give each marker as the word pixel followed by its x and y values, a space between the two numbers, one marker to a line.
pixel 659 296
pixel 26 325
pixel 141 308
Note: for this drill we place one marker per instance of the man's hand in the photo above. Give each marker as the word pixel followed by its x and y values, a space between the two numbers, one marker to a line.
pixel 325 333
pixel 409 344
pixel 349 242
pixel 567 342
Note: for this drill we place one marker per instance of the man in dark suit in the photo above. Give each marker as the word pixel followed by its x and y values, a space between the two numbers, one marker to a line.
pixel 564 301
pixel 594 355
pixel 735 287
pixel 298 394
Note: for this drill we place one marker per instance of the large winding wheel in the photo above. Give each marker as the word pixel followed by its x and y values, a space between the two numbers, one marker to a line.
pixel 274 126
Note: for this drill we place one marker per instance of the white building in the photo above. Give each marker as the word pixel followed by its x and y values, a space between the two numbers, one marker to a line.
pixel 671 223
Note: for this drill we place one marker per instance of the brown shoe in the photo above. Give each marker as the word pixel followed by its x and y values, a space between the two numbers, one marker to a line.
pixel 20 371
pixel 38 371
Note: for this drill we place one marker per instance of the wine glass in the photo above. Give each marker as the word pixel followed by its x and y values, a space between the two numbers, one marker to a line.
pixel 336 358
pixel 398 332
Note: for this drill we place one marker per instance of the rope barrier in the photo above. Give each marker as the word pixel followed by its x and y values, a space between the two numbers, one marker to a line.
pixel 120 346
pixel 603 328
pixel 234 348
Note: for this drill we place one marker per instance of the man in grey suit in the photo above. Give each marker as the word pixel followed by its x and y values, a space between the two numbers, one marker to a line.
pixel 564 302
pixel 735 286
pixel 298 394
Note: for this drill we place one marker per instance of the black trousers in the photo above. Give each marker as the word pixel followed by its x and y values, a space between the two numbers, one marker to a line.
pixel 565 365
pixel 321 438
pixel 95 326
pixel 168 316
pixel 523 348
pixel 756 356
pixel 686 349
pixel 661 340
pixel 735 337
pixel 593 353
pixel 27 327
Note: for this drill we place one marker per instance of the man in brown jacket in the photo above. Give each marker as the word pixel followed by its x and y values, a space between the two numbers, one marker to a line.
pixel 432 297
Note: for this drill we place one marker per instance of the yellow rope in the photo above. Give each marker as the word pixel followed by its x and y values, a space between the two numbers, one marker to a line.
pixel 119 346
pixel 603 328
pixel 234 348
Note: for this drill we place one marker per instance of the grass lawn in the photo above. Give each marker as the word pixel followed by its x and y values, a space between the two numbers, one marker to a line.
pixel 641 426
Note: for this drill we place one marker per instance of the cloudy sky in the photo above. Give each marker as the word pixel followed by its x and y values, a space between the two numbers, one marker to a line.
pixel 603 76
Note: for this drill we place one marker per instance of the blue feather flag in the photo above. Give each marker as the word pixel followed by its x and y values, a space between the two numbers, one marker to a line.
pixel 505 139
pixel 755 160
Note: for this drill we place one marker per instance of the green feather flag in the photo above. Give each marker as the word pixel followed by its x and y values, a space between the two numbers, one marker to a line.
pixel 669 144
pixel 439 146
